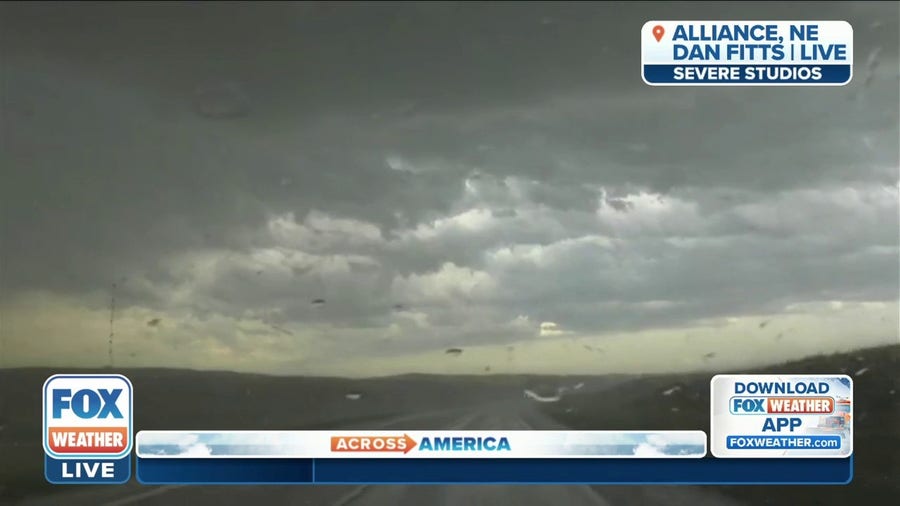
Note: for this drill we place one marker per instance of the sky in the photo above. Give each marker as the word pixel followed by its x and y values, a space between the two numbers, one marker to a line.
pixel 353 189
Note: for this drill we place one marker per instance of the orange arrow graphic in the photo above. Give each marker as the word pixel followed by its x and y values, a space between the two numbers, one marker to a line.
pixel 402 443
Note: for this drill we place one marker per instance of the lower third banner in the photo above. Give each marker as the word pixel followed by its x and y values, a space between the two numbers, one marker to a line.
pixel 456 457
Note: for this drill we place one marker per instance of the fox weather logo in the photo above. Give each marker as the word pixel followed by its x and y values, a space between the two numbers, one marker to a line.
pixel 88 425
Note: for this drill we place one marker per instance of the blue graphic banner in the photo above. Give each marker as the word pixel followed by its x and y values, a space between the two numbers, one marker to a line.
pixel 706 471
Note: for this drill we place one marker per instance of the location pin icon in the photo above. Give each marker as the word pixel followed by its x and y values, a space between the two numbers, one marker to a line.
pixel 658 32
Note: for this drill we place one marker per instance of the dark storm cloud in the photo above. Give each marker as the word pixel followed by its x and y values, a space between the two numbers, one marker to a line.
pixel 475 162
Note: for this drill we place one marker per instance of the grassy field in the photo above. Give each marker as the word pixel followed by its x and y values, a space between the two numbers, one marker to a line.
pixel 686 406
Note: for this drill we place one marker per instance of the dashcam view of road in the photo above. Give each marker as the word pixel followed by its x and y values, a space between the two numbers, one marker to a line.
pixel 186 400
pixel 436 215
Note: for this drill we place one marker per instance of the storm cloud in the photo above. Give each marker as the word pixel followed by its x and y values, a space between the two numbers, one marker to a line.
pixel 431 175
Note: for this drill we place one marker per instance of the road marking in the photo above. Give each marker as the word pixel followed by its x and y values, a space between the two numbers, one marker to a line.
pixel 464 422
pixel 350 496
pixel 143 495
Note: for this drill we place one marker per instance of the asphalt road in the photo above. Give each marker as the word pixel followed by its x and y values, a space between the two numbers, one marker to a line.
pixel 503 414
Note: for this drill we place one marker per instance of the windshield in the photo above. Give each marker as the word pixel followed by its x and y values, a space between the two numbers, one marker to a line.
pixel 434 215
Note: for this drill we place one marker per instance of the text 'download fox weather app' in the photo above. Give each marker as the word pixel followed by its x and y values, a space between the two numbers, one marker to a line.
pixel 88 426
pixel 781 416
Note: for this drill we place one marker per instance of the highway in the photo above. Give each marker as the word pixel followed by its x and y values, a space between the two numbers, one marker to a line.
pixel 502 414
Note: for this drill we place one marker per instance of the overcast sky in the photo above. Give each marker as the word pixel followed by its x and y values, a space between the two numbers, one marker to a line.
pixel 490 177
